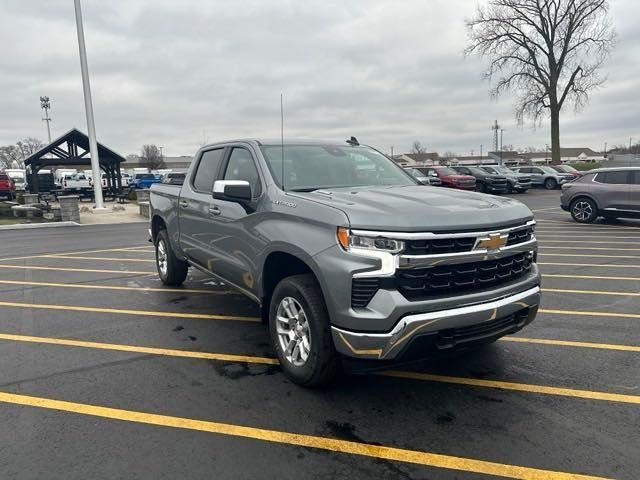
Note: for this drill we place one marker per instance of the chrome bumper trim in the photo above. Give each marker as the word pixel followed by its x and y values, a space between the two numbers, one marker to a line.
pixel 386 345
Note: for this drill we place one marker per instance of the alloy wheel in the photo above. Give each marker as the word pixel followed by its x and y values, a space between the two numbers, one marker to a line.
pixel 162 258
pixel 293 331
pixel 582 210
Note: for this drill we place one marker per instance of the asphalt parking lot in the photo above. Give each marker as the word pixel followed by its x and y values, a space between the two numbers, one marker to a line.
pixel 107 374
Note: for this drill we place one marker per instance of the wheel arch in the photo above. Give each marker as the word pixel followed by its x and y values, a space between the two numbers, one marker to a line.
pixel 279 264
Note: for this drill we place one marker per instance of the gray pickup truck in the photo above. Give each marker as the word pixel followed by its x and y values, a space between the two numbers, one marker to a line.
pixel 346 254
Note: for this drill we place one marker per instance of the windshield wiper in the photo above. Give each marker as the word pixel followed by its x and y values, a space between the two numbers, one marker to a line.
pixel 307 189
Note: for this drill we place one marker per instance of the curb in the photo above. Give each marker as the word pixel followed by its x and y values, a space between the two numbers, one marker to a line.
pixel 28 226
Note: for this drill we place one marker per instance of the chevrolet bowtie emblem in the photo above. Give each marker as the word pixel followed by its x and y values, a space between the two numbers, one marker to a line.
pixel 493 241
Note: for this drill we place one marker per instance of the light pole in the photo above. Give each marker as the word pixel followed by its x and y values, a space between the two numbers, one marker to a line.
pixel 501 132
pixel 88 106
pixel 45 104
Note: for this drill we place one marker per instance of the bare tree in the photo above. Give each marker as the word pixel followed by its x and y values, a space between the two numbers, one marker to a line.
pixel 13 156
pixel 417 147
pixel 549 51
pixel 151 157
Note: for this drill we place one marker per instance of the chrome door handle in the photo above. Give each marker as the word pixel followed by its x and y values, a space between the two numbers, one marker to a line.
pixel 184 204
pixel 214 211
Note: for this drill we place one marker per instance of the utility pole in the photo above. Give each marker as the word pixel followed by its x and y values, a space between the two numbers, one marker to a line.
pixel 88 106
pixel 501 132
pixel 605 151
pixel 45 104
pixel 161 154
pixel 391 152
pixel 481 152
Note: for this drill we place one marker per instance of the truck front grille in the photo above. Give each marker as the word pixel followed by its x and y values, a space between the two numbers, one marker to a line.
pixel 457 245
pixel 436 247
pixel 420 283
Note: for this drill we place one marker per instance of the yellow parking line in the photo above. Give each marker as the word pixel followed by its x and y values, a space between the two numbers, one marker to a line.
pixel 587 255
pixel 113 287
pixel 588 313
pixel 521 387
pixel 570 392
pixel 76 308
pixel 591 292
pixel 296 439
pixel 62 269
pixel 588 265
pixel 223 357
pixel 564 343
pixel 121 249
pixel 141 260
pixel 591 277
pixel 608 249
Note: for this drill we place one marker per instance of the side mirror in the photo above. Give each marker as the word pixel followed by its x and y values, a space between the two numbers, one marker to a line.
pixel 232 190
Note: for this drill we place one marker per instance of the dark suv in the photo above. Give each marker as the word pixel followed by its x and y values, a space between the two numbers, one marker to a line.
pixel 605 192
pixel 485 181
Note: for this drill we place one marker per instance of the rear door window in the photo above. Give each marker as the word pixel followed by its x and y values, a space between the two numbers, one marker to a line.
pixel 617 178
pixel 636 177
pixel 207 170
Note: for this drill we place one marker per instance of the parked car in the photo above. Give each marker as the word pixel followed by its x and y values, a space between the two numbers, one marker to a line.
pixel 604 192
pixel 423 176
pixel 19 177
pixel 143 180
pixel 7 186
pixel 173 178
pixel 485 182
pixel 452 179
pixel 75 183
pixel 545 176
pixel 346 254
pixel 518 182
pixel 567 169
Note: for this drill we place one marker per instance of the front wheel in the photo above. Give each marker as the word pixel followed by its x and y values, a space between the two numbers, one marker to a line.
pixel 480 187
pixel 550 184
pixel 172 271
pixel 584 210
pixel 300 331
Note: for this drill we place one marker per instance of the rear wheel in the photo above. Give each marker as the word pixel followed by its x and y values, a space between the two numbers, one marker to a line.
pixel 550 184
pixel 584 210
pixel 300 331
pixel 172 271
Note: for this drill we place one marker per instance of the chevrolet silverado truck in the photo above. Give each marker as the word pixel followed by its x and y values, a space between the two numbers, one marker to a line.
pixel 346 254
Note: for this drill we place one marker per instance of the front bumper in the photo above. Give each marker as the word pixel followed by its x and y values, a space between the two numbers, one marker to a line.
pixel 445 328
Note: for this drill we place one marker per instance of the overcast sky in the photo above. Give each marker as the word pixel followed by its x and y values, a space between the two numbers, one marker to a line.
pixel 177 73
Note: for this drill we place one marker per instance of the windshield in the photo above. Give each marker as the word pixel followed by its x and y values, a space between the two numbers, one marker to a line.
pixel 145 175
pixel 567 168
pixel 311 167
pixel 548 170
pixel 476 170
pixel 447 171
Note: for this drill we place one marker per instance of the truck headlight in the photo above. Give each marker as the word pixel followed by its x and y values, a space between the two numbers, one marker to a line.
pixel 349 241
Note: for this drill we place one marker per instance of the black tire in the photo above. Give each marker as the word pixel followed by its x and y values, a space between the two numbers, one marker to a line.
pixel 176 270
pixel 550 184
pixel 480 187
pixel 321 365
pixel 584 210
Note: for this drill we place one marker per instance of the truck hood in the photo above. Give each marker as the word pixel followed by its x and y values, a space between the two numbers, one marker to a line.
pixel 420 208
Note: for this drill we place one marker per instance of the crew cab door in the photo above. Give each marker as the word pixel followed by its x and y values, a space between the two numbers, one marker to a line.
pixel 198 225
pixel 238 242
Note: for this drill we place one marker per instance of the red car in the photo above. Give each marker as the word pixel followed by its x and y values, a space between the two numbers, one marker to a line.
pixel 568 169
pixel 452 179
pixel 7 187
